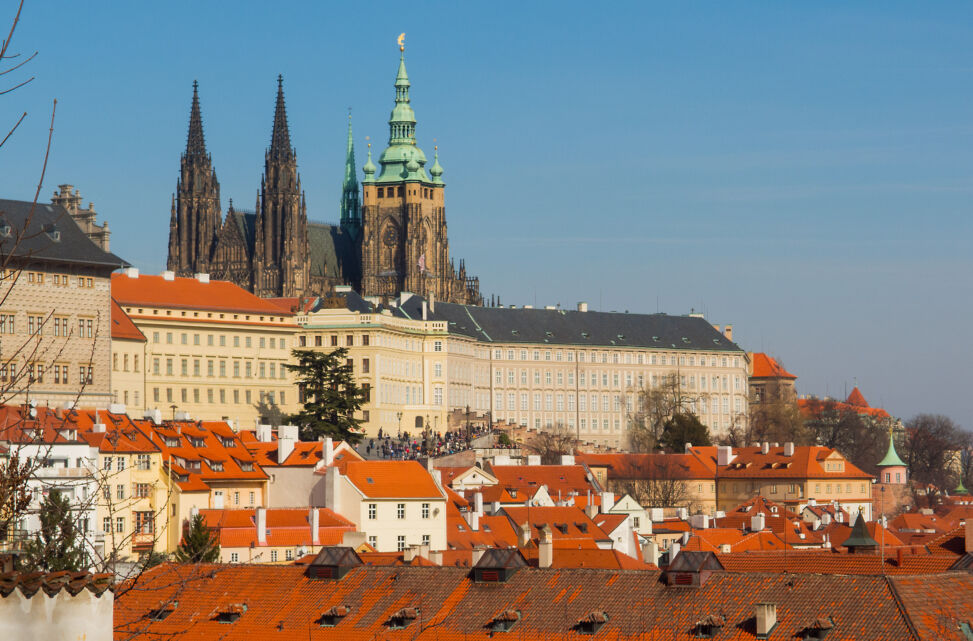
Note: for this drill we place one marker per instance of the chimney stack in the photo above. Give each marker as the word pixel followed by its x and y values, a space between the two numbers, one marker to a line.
pixel 523 535
pixel 473 520
pixel 263 433
pixel 545 549
pixel 582 306
pixel 758 522
pixel 607 502
pixel 261 520
pixel 650 552
pixel 766 615
pixel 969 534
pixel 477 554
pixel 314 518
pixel 478 503
pixel 724 455
pixel 327 451
pixel 286 438
pixel 728 332
pixel 765 448
pixel 688 448
pixel 674 551
pixel 432 302
pixel 789 449
pixel 533 459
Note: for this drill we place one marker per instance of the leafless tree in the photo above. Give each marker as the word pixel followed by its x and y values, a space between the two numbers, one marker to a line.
pixel 550 444
pixel 842 427
pixel 933 449
pixel 776 419
pixel 654 406
pixel 657 480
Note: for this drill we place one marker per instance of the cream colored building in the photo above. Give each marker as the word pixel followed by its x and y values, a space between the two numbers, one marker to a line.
pixel 127 360
pixel 532 367
pixel 54 317
pixel 213 350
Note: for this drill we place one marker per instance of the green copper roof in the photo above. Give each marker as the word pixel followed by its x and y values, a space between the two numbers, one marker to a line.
pixel 436 171
pixel 350 208
pixel 402 159
pixel 960 489
pixel 891 457
pixel 860 538
pixel 369 167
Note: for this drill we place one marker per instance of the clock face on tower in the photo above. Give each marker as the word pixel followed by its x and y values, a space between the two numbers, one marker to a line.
pixel 390 237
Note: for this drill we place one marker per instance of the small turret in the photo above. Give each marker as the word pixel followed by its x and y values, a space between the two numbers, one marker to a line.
pixel 369 167
pixel 436 171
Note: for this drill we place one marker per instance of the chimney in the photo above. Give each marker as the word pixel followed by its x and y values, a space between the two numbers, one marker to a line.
pixel 314 518
pixel 478 503
pixel 131 272
pixel 545 549
pixel 969 534
pixel 425 310
pixel 327 451
pixel 332 492
pixel 699 521
pixel 286 438
pixel 682 513
pixel 436 557
pixel 789 449
pixel 766 615
pixel 567 459
pixel 533 459
pixel 203 278
pixel 98 427
pixel 591 510
pixel 353 540
pixel 523 535
pixel 724 455
pixel 410 553
pixel 582 306
pixel 688 448
pixel 765 448
pixel 263 433
pixel 728 332
pixel 607 502
pixel 261 520
pixel 168 275
pixel 826 518
pixel 674 551
pixel 725 548
pixel 432 302
pixel 650 552
pixel 473 520
pixel 758 522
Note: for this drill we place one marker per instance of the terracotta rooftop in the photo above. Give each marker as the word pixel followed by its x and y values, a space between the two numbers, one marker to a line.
pixel 765 366
pixel 29 583
pixel 445 604
pixel 122 327
pixel 285 527
pixel 190 293
pixel 392 479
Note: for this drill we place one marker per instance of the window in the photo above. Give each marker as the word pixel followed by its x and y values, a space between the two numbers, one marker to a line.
pixel 373 541
pixel 120 525
pixel 273 556
pixel 437 346
pixel 400 511
pixel 425 539
pixel 425 510
pixel 372 511
pixel 401 543
pixel 234 557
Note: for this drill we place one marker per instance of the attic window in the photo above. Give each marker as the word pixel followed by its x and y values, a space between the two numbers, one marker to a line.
pixel 819 628
pixel 5 229
pixel 330 618
pixel 401 619
pixel 708 627
pixel 585 335
pixel 592 622
pixel 716 340
pixel 504 621
pixel 52 232
pixel 685 340
pixel 621 337
pixel 246 466
pixel 562 527
pixel 514 332
pixel 162 611
pixel 216 466
pixel 583 527
pixel 230 613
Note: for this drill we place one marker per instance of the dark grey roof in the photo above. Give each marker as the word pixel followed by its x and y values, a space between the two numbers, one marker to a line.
pixel 328 247
pixel 568 327
pixel 502 558
pixel 693 561
pixel 247 222
pixel 49 234
pixel 338 556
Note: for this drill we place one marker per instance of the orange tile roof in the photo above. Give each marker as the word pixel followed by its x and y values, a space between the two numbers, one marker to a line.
pixel 189 293
pixel 122 327
pixel 567 524
pixel 856 398
pixel 646 466
pixel 560 480
pixel 829 562
pixel 765 366
pixel 809 406
pixel 285 527
pixel 283 604
pixel 807 462
pixel 392 479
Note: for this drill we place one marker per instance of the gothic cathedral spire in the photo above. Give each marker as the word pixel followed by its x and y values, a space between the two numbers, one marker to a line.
pixel 350 197
pixel 281 243
pixel 195 215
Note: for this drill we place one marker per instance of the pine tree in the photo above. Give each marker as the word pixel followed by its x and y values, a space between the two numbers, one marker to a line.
pixel 199 544
pixel 330 395
pixel 683 428
pixel 59 544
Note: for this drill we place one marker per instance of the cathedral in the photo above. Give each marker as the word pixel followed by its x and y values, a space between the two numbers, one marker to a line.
pixel 391 235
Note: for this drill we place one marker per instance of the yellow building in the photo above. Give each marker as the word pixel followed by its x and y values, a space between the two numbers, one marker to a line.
pixel 127 360
pixel 213 350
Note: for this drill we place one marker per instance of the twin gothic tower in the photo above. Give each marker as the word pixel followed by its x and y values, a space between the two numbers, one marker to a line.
pixel 391 236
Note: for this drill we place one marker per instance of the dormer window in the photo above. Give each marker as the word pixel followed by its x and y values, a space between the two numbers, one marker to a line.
pixel 708 627
pixel 216 466
pixel 504 621
pixel 592 622
pixel 163 611
pixel 246 466
pixel 818 629
pixel 5 229
pixel 330 618
pixel 403 618
pixel 230 613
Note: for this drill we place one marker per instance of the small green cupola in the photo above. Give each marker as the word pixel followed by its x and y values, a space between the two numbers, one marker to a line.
pixel 891 457
pixel 961 489
pixel 860 540
pixel 436 171
pixel 369 168
pixel 402 159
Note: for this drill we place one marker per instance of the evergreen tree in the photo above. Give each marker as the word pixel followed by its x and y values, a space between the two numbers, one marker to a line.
pixel 199 544
pixel 683 428
pixel 330 395
pixel 59 543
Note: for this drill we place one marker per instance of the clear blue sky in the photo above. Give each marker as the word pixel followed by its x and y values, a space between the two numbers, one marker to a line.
pixel 803 171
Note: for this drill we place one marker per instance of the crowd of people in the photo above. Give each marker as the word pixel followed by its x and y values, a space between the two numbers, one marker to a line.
pixel 406 446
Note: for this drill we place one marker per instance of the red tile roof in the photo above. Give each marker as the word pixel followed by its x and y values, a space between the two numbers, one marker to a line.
pixel 856 398
pixel 283 604
pixel 189 293
pixel 560 480
pixel 122 327
pixel 765 366
pixel 649 466
pixel 807 462
pixel 828 562
pixel 392 479
pixel 568 525
pixel 285 527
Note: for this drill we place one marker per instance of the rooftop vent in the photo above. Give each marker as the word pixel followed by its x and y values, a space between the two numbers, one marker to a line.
pixel 203 278
pixel 582 306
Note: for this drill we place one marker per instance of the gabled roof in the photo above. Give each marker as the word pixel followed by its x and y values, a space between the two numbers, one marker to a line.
pixel 527 479
pixel 286 527
pixel 856 398
pixel 807 462
pixel 122 327
pixel 190 293
pixel 47 232
pixel 567 524
pixel 765 366
pixel 392 480
pixel 621 466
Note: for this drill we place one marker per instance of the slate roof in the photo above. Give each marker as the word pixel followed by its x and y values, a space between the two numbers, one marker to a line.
pixel 73 246
pixel 328 247
pixel 568 327
pixel 284 604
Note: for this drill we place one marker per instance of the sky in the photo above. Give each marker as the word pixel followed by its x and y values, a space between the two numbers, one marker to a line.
pixel 803 171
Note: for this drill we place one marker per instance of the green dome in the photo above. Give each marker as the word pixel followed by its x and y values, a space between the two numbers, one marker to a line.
pixel 402 159
pixel 369 167
pixel 436 171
